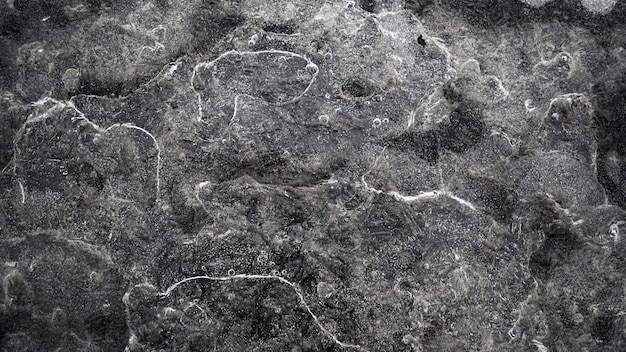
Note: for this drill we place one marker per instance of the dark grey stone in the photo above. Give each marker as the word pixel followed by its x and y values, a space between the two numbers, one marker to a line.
pixel 309 176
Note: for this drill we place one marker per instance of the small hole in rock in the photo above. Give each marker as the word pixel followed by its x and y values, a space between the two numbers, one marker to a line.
pixel 356 89
pixel 421 41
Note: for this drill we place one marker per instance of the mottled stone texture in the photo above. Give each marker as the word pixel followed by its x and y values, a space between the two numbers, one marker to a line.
pixel 312 176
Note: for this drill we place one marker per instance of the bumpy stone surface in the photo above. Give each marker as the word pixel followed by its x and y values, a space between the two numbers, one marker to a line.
pixel 312 176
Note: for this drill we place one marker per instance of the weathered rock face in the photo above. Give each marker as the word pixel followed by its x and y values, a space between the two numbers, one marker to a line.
pixel 306 176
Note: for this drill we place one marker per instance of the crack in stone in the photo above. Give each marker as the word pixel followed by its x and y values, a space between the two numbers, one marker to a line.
pixel 281 279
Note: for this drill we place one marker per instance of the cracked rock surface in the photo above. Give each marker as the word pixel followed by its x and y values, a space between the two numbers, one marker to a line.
pixel 376 175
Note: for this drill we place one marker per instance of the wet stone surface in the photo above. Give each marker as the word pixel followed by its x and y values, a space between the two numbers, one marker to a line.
pixel 312 176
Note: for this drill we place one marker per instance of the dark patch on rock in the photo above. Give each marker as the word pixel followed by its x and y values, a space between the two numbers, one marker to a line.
pixel 210 22
pixel 610 118
pixel 461 132
pixel 495 13
pixel 280 28
pixel 357 88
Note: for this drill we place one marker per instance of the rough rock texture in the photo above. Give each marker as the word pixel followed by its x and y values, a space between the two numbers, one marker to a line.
pixel 602 7
pixel 312 176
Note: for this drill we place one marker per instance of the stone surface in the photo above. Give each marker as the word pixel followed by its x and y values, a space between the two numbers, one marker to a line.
pixel 312 176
